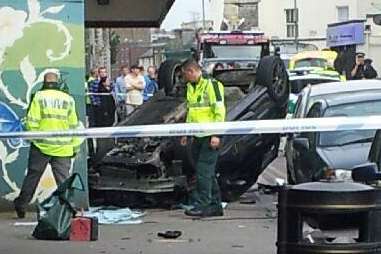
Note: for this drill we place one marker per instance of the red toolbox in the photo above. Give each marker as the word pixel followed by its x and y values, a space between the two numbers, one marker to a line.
pixel 84 229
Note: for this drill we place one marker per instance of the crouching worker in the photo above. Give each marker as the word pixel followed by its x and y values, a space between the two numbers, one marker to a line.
pixel 51 109
pixel 205 103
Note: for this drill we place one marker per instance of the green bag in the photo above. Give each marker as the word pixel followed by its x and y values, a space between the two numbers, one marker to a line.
pixel 55 213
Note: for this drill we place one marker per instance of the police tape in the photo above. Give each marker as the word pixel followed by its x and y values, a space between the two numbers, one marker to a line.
pixel 105 94
pixel 224 128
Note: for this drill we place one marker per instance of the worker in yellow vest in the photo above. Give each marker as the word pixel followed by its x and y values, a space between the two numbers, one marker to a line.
pixel 51 109
pixel 205 104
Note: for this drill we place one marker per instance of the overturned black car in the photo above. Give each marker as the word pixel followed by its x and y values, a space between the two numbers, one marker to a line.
pixel 157 171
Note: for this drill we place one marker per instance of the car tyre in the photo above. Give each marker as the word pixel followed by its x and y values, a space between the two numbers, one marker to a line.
pixel 272 73
pixel 169 72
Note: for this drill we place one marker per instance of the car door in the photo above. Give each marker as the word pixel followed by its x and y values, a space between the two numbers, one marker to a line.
pixel 304 155
pixel 289 151
pixel 375 150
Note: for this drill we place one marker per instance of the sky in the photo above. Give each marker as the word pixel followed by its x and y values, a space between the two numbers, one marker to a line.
pixel 183 11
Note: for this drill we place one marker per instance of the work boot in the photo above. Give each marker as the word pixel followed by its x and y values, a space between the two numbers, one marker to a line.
pixel 20 212
pixel 195 212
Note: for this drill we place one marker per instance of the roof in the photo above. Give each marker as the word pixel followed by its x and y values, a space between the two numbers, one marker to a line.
pixel 327 55
pixel 345 87
pixel 147 54
pixel 347 22
pixel 358 96
pixel 125 13
pixel 256 32
pixel 315 76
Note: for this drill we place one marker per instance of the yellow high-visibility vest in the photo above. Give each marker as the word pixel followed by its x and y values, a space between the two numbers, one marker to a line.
pixel 205 102
pixel 53 110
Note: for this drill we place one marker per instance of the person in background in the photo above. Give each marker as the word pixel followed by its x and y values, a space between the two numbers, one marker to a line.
pixel 135 85
pixel 120 91
pixel 93 77
pixel 103 104
pixel 218 67
pixel 357 72
pixel 51 109
pixel 369 71
pixel 151 86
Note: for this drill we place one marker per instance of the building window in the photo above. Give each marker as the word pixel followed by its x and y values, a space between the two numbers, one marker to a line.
pixel 291 15
pixel 342 13
pixel 291 22
pixel 291 30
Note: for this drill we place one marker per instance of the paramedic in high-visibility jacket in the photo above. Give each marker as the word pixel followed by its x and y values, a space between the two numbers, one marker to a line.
pixel 205 104
pixel 51 109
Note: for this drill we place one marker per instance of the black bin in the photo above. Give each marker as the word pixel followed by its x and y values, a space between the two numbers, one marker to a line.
pixel 329 199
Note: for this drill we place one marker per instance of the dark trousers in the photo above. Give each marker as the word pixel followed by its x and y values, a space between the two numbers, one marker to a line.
pixel 206 194
pixel 36 167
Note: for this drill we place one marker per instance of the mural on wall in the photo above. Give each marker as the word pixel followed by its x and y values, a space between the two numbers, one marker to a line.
pixel 36 36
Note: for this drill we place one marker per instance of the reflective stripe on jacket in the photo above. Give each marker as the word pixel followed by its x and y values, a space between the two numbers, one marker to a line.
pixel 53 110
pixel 204 103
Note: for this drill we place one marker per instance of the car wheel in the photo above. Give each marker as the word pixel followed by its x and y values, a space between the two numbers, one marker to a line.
pixel 272 73
pixel 169 75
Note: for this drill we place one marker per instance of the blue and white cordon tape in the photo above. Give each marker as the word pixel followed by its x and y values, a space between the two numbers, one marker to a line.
pixel 225 128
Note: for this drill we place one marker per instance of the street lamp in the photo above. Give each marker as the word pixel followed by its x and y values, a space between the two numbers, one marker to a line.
pixel 203 15
pixel 296 13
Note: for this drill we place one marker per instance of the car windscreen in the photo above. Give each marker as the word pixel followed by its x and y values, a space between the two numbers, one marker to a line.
pixel 234 51
pixel 341 138
pixel 297 85
pixel 311 62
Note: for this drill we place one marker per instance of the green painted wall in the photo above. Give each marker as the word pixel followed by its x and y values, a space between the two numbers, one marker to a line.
pixel 36 35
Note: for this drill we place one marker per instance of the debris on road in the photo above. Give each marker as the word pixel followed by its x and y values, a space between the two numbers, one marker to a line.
pixel 238 246
pixel 171 241
pixel 170 234
pixel 25 224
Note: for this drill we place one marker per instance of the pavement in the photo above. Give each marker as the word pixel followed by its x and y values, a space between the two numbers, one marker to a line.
pixel 245 228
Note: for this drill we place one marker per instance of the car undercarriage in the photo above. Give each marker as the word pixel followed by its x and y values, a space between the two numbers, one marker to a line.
pixel 158 171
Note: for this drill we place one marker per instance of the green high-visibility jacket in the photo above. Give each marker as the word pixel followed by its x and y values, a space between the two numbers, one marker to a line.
pixel 53 110
pixel 205 102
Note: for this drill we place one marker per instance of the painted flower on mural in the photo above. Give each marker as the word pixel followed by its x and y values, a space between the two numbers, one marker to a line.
pixel 12 23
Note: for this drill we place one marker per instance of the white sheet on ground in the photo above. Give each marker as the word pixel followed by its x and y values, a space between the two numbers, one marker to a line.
pixel 114 215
